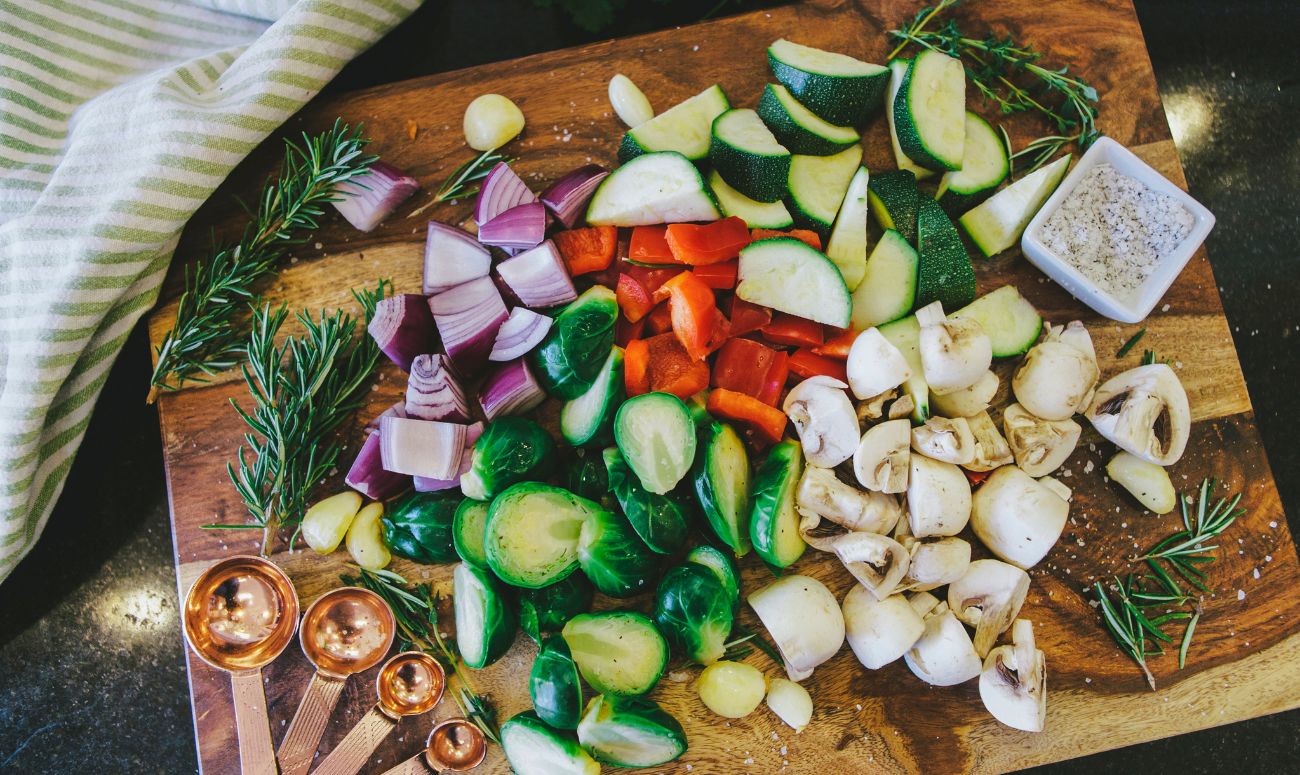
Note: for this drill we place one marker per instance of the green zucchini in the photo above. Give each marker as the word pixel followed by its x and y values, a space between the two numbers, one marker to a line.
pixel 798 128
pixel 656 435
pixel 848 244
pixel 894 202
pixel 589 418
pixel 818 185
pixel 1011 322
pixel 485 618
pixel 683 128
pixel 897 71
pixel 998 223
pixel 774 521
pixel 746 154
pixel 945 273
pixel 554 686
pixel 791 276
pixel 721 478
pixel 467 531
pixel 984 165
pixel 929 111
pixel 756 215
pixel 617 652
pixel 888 287
pixel 653 188
pixel 905 334
pixel 532 534
pixel 838 88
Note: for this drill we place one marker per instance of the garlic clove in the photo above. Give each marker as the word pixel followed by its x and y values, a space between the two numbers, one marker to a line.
pixel 1147 482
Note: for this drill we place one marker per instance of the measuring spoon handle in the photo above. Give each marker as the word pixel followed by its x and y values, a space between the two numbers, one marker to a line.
pixel 256 756
pixel 298 748
pixel 351 754
pixel 412 766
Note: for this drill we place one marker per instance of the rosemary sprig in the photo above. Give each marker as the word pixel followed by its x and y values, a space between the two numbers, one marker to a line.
pixel 302 391
pixel 415 610
pixel 1132 341
pixel 209 335
pixel 460 183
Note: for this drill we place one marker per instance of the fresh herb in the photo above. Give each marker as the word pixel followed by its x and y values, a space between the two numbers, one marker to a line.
pixel 415 609
pixel 1132 340
pixel 1186 549
pixel 1149 357
pixel 754 639
pixel 209 334
pixel 1010 76
pixel 460 183
pixel 302 391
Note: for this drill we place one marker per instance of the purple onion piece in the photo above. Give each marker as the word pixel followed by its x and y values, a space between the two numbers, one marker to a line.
pixel 567 197
pixel 538 277
pixel 433 392
pixel 522 226
pixel 520 334
pixel 424 484
pixel 511 389
pixel 468 318
pixel 366 200
pixel 396 410
pixel 403 328
pixel 452 257
pixel 367 475
pixel 501 190
pixel 421 447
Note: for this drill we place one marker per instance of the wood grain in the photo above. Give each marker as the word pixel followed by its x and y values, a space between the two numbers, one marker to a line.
pixel 1247 643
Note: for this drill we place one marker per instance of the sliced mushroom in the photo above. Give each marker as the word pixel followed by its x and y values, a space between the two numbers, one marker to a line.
pixel 1039 446
pixel 923 602
pixel 1017 517
pixel 1058 375
pixel 879 631
pixel 804 620
pixel 991 449
pixel 938 498
pixel 944 654
pixel 823 415
pixel 902 407
pixel 1056 486
pixel 878 562
pixel 969 400
pixel 822 494
pixel 949 440
pixel 875 365
pixel 881 460
pixel 988 597
pixel 955 352
pixel 934 562
pixel 1013 683
pixel 1144 412
pixel 873 408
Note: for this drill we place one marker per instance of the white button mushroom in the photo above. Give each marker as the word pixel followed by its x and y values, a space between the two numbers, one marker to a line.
pixel 875 365
pixel 629 102
pixel 1147 482
pixel 824 417
pixel 881 460
pixel 1057 376
pixel 1039 446
pixel 991 449
pixel 804 620
pixel 879 631
pixel 938 498
pixel 943 655
pixel 969 400
pixel 988 597
pixel 934 562
pixel 1018 518
pixel 1144 412
pixel 1013 683
pixel 823 495
pixel 949 440
pixel 922 602
pixel 955 352
pixel 878 562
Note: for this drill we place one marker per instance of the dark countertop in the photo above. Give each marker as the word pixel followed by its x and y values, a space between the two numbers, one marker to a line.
pixel 92 675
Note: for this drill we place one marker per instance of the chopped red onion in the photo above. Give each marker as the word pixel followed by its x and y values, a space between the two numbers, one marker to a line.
pixel 372 196
pixel 522 226
pixel 468 318
pixel 425 484
pixel 403 328
pixel 511 389
pixel 421 447
pixel 520 334
pixel 367 475
pixel 568 196
pixel 433 392
pixel 396 410
pixel 501 190
pixel 452 257
pixel 538 277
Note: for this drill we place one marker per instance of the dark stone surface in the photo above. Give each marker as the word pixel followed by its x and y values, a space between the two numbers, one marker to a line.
pixel 91 668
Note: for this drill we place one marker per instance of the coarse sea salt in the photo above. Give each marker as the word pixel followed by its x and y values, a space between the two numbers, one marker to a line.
pixel 1115 229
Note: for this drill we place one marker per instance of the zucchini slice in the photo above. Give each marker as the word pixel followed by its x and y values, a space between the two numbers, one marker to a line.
pixel 888 287
pixel 897 71
pixel 746 154
pixel 651 189
pixel 722 485
pixel 847 248
pixel 984 165
pixel 532 534
pixel 756 215
pixel 683 128
pixel 929 111
pixel 589 418
pixel 658 519
pixel 774 521
pixel 798 128
pixel 998 223
pixel 485 619
pixel 630 732
pixel 1011 322
pixel 554 686
pixel 945 273
pixel 791 276
pixel 894 201
pixel 617 652
pixel 905 334
pixel 836 87
pixel 723 566
pixel 818 185
pixel 533 748
pixel 656 435
pixel 467 530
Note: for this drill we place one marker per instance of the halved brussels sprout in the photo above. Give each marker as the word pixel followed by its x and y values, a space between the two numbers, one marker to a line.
pixel 723 566
pixel 693 610
pixel 774 520
pixel 511 450
pixel 660 520
pixel 656 434
pixel 485 619
pixel 721 477
pixel 533 748
pixel 467 531
pixel 630 732
pixel 547 609
pixel 614 557
pixel 570 357
pixel 532 534
pixel 618 652
pixel 584 474
pixel 554 686
pixel 419 526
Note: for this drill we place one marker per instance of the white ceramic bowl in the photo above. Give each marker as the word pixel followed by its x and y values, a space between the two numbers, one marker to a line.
pixel 1135 305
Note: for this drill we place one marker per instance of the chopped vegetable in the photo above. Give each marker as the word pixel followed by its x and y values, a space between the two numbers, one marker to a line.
pixel 774 520
pixel 694 612
pixel 567 197
pixel 367 475
pixel 838 345
pixel 533 748
pixel 587 250
pixel 402 327
pixel 532 534
pixel 467 529
pixel 711 243
pixel 326 523
pixel 451 258
pixel 630 732
pixel 721 565
pixel 554 686
pixel 485 619
pixel 433 392
pixel 671 370
pixel 807 236
pixel 538 277
pixel 720 277
pixel 367 199
pixel 491 121
pixel 571 356
pixel 419 527
pixel 468 317
pixel 721 476
pixel 793 330
pixel 589 418
pixel 511 450
pixel 660 320
pixel 521 227
pixel 807 363
pixel 547 609
pixel 790 702
pixel 656 436
pixel 731 689
pixel 746 317
pixel 658 519
pixel 629 102
pixel 614 557
pixel 427 484
pixel 649 245
pixel 636 367
pixel 421 447
pixel 500 190
pixel 653 188
pixel 364 541
pixel 618 652
pixel 633 298
pixel 510 389
pixel 767 420
pixel 804 620
pixel 752 368
pixel 521 332
pixel 693 311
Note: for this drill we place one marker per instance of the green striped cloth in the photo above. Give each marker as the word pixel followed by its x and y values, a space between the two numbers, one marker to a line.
pixel 117 119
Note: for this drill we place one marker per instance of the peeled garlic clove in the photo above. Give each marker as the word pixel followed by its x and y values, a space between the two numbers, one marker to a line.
pixel 875 365
pixel 882 458
pixel 824 417
pixel 491 121
pixel 949 440
pixel 1017 518
pixel 991 449
pixel 1013 682
pixel 790 702
pixel 969 400
pixel 731 689
pixel 1039 446
pixel 804 620
pixel 1057 376
pixel 1144 412
pixel 629 102
pixel 880 631
pixel 988 597
pixel 1147 482
pixel 326 522
pixel 822 494
pixel 943 655
pixel 935 562
pixel 365 538
pixel 955 352
pixel 938 498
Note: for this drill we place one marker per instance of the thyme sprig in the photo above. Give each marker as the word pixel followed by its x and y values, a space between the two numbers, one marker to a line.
pixel 415 609
pixel 211 331
pixel 302 390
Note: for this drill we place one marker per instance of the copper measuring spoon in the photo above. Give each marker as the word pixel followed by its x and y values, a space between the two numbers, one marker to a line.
pixel 346 631
pixel 454 745
pixel 239 615
pixel 409 684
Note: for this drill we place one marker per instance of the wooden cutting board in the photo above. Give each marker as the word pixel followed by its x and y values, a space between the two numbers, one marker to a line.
pixel 1243 661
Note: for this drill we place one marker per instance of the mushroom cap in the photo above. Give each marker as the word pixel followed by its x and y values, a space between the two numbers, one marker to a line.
pixel 822 494
pixel 988 597
pixel 955 352
pixel 991 448
pixel 875 365
pixel 804 620
pixel 881 461
pixel 944 654
pixel 825 419
pixel 969 400
pixel 877 561
pixel 1144 412
pixel 1013 682
pixel 949 440
pixel 935 562
pixel 879 631
pixel 1039 446
pixel 1056 379
pixel 1017 517
pixel 938 498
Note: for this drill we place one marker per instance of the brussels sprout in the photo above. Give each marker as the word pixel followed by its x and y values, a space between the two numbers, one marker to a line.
pixel 532 534
pixel 773 518
pixel 655 434
pixel 660 520
pixel 467 531
pixel 485 619
pixel 611 554
pixel 547 609
pixel 511 450
pixel 630 732
pixel 419 526
pixel 554 686
pixel 533 748
pixel 693 610
pixel 721 478
pixel 585 475
pixel 723 566
pixel 574 351
pixel 618 652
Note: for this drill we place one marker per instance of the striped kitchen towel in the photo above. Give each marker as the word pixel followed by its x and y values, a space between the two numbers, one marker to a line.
pixel 117 119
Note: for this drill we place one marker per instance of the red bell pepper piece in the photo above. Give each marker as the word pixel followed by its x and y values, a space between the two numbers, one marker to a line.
pixel 672 369
pixel 694 313
pixel 625 332
pixel 768 421
pixel 805 236
pixel 710 243
pixel 838 346
pixel 805 363
pixel 660 320
pixel 633 298
pixel 650 277
pixel 976 478
pixel 752 368
pixel 636 365
pixel 649 245
pixel 777 374
pixel 720 277
pixel 793 330
pixel 746 317
pixel 587 250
